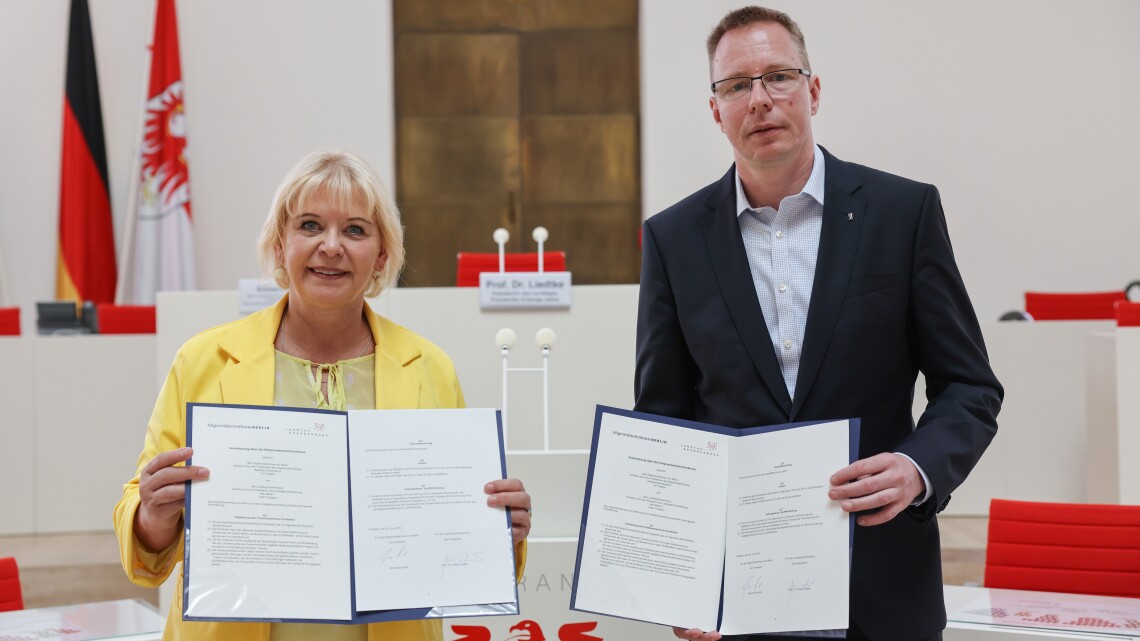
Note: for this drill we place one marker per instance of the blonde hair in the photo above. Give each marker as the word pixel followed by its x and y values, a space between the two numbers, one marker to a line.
pixel 346 180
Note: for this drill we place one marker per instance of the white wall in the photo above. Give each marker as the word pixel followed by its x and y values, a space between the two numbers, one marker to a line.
pixel 981 99
pixel 1023 112
pixel 266 81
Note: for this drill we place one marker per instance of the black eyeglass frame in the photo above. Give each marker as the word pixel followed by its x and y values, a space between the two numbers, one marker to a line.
pixel 752 79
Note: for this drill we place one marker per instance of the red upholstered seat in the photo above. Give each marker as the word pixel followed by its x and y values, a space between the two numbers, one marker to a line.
pixel 11 598
pixel 1064 547
pixel 9 321
pixel 126 319
pixel 1127 313
pixel 469 265
pixel 1084 306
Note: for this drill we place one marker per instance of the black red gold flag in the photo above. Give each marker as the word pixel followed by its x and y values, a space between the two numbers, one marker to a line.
pixel 86 266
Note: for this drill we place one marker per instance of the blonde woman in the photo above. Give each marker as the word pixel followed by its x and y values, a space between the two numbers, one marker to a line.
pixel 332 238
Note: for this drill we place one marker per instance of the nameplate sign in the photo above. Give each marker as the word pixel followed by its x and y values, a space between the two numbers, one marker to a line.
pixel 255 295
pixel 515 290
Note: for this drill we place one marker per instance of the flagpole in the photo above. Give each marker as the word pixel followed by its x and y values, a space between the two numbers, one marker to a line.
pixel 127 248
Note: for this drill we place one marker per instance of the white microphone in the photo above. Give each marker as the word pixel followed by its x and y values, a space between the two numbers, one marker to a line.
pixel 545 338
pixel 505 338
pixel 501 236
pixel 540 235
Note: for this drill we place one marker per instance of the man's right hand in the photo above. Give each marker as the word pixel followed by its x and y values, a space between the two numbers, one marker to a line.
pixel 693 634
pixel 162 494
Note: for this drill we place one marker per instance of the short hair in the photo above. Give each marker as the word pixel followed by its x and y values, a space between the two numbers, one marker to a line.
pixel 745 16
pixel 346 180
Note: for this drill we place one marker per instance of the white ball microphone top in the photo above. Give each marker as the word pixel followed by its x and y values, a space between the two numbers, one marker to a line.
pixel 505 338
pixel 540 234
pixel 501 235
pixel 545 337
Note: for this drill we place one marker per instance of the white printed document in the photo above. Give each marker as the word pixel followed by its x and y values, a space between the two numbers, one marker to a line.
pixel 700 526
pixel 345 517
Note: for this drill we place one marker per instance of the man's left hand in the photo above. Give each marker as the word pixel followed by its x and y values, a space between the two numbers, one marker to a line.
pixel 886 481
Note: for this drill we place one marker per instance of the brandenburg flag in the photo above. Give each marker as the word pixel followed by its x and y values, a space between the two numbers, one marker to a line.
pixel 158 254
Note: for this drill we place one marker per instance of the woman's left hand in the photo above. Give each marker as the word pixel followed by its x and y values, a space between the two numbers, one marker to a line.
pixel 510 493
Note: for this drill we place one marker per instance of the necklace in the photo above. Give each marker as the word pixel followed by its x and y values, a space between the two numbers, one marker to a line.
pixel 284 348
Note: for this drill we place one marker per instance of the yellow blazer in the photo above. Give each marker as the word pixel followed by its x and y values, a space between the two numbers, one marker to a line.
pixel 234 364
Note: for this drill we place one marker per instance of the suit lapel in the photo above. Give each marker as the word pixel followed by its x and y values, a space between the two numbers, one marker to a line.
pixel 843 212
pixel 734 276
pixel 395 388
pixel 247 378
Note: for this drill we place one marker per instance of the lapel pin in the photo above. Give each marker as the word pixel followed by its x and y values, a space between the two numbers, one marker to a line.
pixel 850 216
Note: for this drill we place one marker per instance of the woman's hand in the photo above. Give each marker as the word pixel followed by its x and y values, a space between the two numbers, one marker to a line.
pixel 510 493
pixel 162 494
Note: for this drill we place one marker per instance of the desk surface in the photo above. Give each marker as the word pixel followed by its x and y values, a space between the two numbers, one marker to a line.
pixel 126 619
pixel 984 614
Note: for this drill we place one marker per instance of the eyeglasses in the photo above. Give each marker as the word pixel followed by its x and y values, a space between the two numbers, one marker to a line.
pixel 777 83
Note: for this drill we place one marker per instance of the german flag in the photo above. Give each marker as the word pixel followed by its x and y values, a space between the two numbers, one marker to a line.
pixel 86 269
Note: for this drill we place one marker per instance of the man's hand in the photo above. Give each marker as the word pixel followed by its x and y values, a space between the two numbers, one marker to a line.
pixel 694 634
pixel 887 481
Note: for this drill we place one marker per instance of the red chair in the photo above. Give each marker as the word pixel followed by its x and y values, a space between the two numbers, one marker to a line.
pixel 10 596
pixel 126 319
pixel 1085 306
pixel 469 265
pixel 1127 314
pixel 9 321
pixel 1064 547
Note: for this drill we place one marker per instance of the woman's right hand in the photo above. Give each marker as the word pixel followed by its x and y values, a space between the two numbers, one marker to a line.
pixel 162 494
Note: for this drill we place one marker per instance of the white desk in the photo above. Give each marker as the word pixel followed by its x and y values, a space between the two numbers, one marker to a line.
pixel 129 619
pixel 17 435
pixel 73 410
pixel 1039 451
pixel 1113 416
pixel 984 614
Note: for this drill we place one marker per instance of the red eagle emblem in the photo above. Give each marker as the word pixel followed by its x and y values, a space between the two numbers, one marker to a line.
pixel 164 145
pixel 529 631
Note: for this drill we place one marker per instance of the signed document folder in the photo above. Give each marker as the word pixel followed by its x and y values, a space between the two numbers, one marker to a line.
pixel 700 526
pixel 345 517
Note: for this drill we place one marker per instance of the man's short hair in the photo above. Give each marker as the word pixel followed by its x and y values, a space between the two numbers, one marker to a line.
pixel 745 16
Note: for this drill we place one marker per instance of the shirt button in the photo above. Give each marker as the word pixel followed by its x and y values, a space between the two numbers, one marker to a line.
pixel 779 234
pixel 783 287
pixel 788 344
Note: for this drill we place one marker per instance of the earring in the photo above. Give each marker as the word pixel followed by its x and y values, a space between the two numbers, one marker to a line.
pixel 281 277
pixel 377 274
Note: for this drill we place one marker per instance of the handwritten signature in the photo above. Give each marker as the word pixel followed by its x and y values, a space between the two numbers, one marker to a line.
pixel 752 586
pixel 459 560
pixel 803 586
pixel 393 554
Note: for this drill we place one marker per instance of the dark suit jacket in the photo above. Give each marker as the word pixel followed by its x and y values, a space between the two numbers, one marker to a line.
pixel 887 302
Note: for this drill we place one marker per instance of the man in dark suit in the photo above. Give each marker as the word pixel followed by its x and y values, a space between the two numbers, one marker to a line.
pixel 801 287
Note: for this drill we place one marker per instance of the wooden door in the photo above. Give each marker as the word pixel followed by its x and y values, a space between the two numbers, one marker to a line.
pixel 518 113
